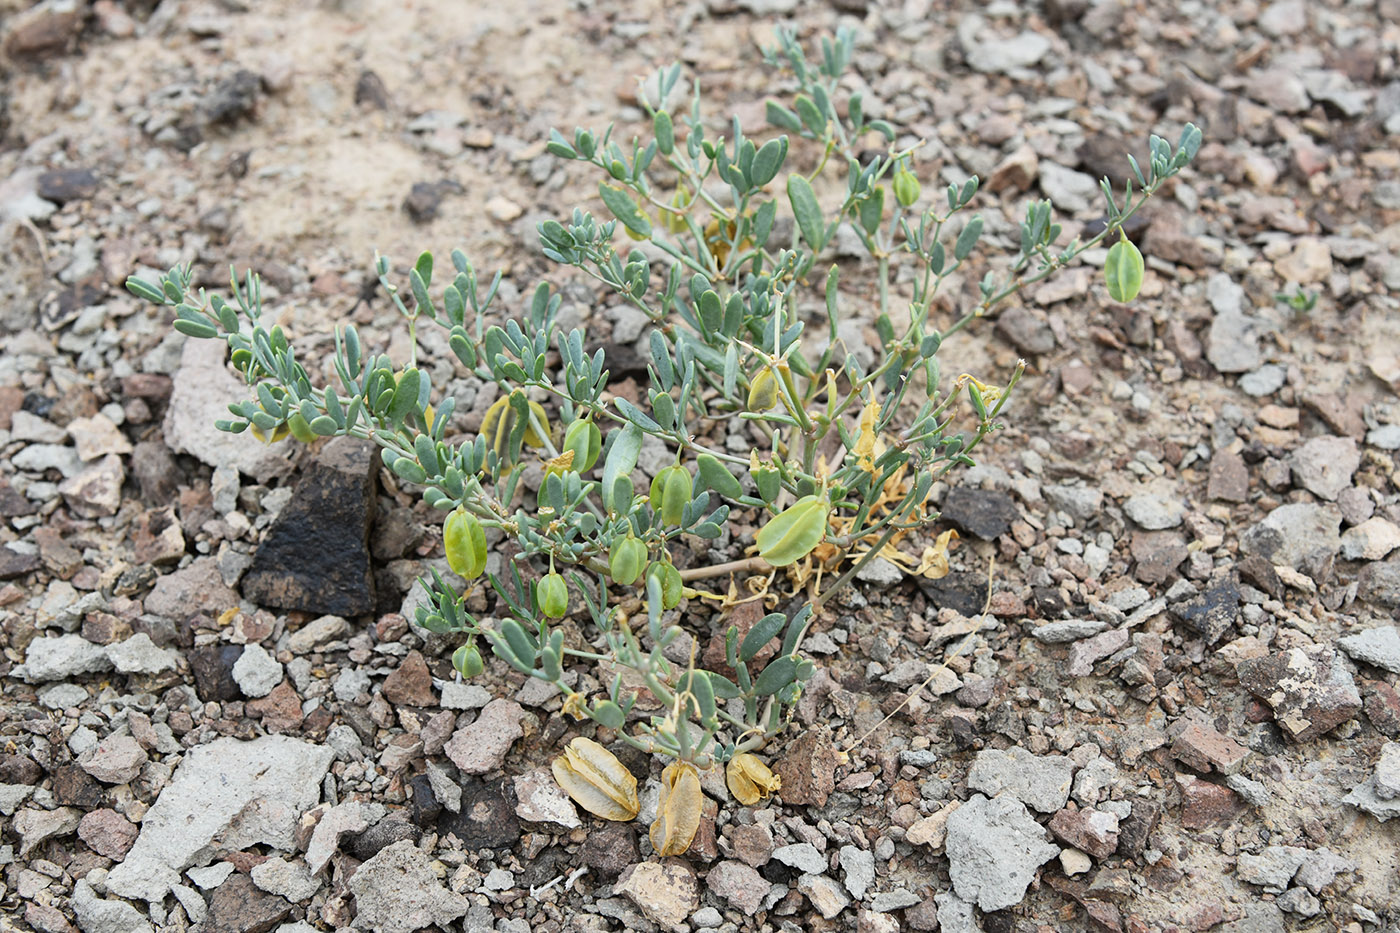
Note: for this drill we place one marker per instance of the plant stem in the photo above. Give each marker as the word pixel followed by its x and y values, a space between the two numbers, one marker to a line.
pixel 747 565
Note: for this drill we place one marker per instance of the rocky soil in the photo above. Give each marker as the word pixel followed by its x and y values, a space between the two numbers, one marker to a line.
pixel 1176 710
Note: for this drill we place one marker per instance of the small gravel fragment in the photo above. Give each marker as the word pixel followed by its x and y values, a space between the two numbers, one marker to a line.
pixel 1054 633
pixel 858 868
pixel 256 671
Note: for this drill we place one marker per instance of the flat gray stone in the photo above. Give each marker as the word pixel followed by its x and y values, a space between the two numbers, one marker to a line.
pixel 102 915
pixel 139 655
pixel 256 672
pixel 1039 781
pixel 994 848
pixel 803 856
pixel 1055 633
pixel 1324 465
pixel 1291 532
pixel 62 658
pixel 1232 343
pixel 201 391
pixel 1069 190
pixel 1272 869
pixel 1379 647
pixel 1155 511
pixel 858 868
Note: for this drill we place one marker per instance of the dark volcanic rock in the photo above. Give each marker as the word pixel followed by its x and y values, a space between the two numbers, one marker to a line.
pixel 964 592
pixel 1258 572
pixel 1213 612
pixel 315 557
pixel 393 828
pixel 609 849
pixel 233 97
pixel 19 769
pixel 985 513
pixel 212 666
pixel 487 818
pixel 1310 689
pixel 238 906
pixel 425 197
pixel 74 787
pixel 62 185
pixel 422 801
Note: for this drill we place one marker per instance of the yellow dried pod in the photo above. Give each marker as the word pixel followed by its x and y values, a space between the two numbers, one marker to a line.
pixel 596 780
pixel 749 779
pixel 763 390
pixel 496 427
pixel 678 810
pixel 277 434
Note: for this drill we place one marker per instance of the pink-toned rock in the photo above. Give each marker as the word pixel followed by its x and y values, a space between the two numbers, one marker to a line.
pixel 1094 831
pixel 1204 804
pixel 97 490
pixel 411 684
pixel 116 759
pixel 808 770
pixel 1200 746
pixel 108 833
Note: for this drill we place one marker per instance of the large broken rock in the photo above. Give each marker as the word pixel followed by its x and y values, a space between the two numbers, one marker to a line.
pixel 1310 689
pixel 225 796
pixel 201 391
pixel 398 892
pixel 316 557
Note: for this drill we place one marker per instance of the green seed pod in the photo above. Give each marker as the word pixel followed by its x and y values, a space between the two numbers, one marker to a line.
pixel 552 593
pixel 1122 270
pixel 793 532
pixel 586 441
pixel 763 390
pixel 467 661
pixel 670 579
pixel 670 492
pixel 464 540
pixel 906 187
pixel 627 560
pixel 766 476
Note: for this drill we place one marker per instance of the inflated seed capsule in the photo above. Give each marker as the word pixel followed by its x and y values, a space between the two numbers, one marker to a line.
pixel 467 661
pixel 553 595
pixel 464 540
pixel 670 492
pixel 906 187
pixel 586 441
pixel 627 559
pixel 794 532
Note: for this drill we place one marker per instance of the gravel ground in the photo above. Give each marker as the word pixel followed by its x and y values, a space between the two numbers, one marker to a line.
pixel 1175 710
